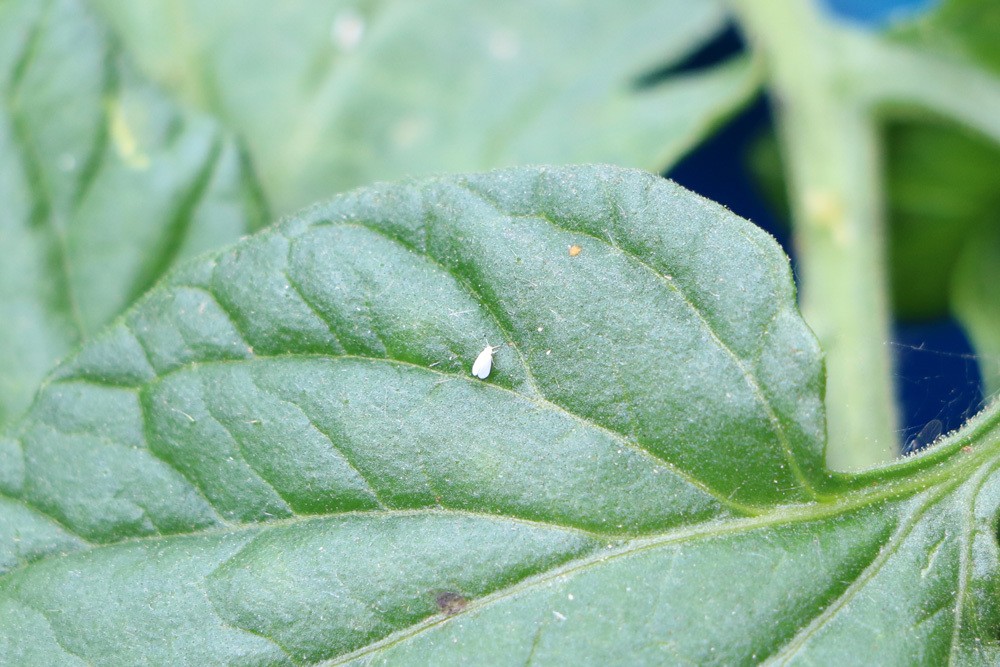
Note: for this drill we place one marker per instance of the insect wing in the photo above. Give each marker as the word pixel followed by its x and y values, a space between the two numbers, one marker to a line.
pixel 928 434
pixel 484 363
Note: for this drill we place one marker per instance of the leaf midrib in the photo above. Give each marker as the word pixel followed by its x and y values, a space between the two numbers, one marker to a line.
pixel 708 530
pixel 539 401
pixel 792 647
pixel 845 501
pixel 783 514
pixel 616 548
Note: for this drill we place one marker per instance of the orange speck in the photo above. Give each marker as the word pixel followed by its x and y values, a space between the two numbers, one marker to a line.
pixel 967 449
pixel 574 250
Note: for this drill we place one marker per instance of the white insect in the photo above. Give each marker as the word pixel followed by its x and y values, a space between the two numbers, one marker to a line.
pixel 483 364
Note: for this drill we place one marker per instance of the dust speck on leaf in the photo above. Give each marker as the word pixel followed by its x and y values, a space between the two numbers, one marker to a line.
pixel 450 603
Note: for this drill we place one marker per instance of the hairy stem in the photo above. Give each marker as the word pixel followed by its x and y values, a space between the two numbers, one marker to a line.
pixel 831 152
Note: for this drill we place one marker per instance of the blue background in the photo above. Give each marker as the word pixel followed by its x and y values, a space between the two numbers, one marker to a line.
pixel 937 374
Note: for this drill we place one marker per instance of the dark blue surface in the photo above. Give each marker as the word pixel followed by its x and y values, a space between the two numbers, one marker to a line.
pixel 937 374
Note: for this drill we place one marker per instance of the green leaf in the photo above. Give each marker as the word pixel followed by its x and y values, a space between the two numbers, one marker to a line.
pixel 963 206
pixel 974 299
pixel 279 456
pixel 321 369
pixel 942 185
pixel 961 29
pixel 104 185
pixel 941 177
pixel 331 95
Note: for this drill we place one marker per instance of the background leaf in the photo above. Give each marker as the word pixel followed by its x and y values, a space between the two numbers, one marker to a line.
pixel 974 297
pixel 942 176
pixel 346 93
pixel 942 186
pixel 961 29
pixel 966 30
pixel 104 184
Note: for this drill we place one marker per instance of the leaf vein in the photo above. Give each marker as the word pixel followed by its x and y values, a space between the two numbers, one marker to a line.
pixel 312 307
pixel 348 459
pixel 785 653
pixel 471 291
pixel 55 635
pixel 243 455
pixel 751 380
pixel 539 401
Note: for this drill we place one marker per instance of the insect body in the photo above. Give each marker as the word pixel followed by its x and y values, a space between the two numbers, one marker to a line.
pixel 483 364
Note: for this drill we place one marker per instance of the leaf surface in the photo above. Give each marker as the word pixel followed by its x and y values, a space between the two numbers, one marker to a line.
pixel 974 299
pixel 104 184
pixel 332 95
pixel 280 456
pixel 943 185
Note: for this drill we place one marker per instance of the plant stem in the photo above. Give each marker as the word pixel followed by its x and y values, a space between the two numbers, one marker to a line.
pixel 831 152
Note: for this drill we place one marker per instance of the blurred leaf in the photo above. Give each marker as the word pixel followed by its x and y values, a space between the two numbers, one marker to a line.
pixel 331 95
pixel 942 179
pixel 279 456
pixel 764 163
pixel 976 301
pixel 963 29
pixel 944 185
pixel 103 184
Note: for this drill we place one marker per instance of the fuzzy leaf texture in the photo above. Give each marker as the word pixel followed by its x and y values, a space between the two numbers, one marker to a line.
pixel 280 456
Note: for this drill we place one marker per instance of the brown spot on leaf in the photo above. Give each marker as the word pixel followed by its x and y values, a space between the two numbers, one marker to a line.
pixel 450 603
